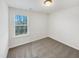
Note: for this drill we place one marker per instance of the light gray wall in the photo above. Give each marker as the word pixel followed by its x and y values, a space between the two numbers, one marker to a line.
pixel 37 27
pixel 64 26
pixel 3 29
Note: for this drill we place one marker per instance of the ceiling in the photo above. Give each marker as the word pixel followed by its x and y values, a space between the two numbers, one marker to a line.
pixel 37 5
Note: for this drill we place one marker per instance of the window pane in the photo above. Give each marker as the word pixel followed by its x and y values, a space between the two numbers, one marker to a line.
pixel 25 29
pixel 25 20
pixel 21 30
pixel 17 30
pixel 20 20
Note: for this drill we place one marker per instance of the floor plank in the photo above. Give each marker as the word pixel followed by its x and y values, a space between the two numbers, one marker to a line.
pixel 44 48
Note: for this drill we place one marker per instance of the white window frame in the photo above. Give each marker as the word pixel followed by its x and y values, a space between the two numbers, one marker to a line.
pixel 21 35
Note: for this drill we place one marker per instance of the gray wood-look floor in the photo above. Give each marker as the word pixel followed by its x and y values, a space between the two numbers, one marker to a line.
pixel 44 48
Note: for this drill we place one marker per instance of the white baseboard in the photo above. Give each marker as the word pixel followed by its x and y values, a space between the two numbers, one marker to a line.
pixel 44 36
pixel 29 40
pixel 63 42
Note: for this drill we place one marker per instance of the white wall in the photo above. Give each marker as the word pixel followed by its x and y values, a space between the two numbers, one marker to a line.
pixel 64 26
pixel 3 29
pixel 37 25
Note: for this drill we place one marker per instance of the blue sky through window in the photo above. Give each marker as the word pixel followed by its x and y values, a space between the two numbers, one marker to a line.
pixel 21 19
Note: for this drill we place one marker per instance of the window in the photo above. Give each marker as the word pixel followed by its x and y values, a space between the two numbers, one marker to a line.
pixel 20 25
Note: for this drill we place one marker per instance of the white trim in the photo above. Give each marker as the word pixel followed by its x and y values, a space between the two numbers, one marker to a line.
pixel 64 42
pixel 29 40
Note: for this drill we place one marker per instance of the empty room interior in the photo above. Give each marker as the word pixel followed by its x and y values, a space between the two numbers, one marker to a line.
pixel 39 28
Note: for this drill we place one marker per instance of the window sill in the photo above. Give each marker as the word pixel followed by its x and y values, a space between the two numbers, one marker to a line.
pixel 17 36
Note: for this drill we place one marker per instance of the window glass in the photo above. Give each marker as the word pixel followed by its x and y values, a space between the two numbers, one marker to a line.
pixel 20 24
